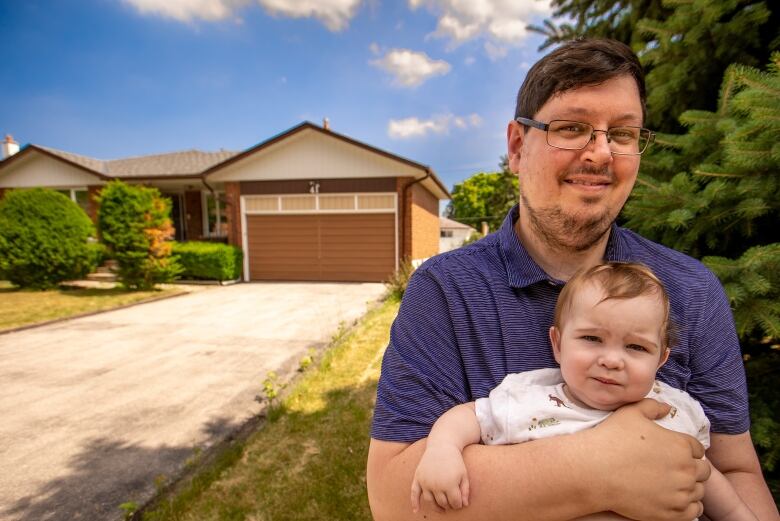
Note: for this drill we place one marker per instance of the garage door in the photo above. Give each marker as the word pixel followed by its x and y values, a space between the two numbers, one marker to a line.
pixel 305 238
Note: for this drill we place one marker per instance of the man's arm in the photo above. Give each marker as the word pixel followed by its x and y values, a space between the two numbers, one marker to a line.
pixel 627 464
pixel 735 456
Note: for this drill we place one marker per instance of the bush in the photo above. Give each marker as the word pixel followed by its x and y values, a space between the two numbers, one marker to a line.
pixel 209 260
pixel 134 223
pixel 43 238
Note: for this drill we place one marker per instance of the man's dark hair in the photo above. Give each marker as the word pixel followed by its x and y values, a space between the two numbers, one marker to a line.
pixel 578 63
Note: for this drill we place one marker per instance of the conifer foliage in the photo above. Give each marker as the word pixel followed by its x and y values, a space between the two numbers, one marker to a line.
pixel 134 222
pixel 726 210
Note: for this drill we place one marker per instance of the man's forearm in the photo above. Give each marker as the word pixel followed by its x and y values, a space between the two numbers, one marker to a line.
pixel 508 482
pixel 735 456
pixel 752 488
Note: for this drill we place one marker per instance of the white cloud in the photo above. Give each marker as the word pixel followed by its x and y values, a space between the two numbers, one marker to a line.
pixel 188 10
pixel 469 60
pixel 441 124
pixel 334 14
pixel 411 68
pixel 500 20
pixel 374 48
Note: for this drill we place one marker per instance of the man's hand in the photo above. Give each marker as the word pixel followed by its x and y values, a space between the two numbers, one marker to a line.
pixel 441 478
pixel 646 471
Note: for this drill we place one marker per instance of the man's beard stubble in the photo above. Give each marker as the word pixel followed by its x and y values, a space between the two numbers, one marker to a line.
pixel 569 232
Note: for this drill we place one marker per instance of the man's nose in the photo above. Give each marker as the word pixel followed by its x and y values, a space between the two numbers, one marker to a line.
pixel 597 149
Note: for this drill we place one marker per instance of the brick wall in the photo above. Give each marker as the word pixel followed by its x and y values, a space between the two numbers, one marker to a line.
pixel 419 220
pixel 233 212
pixel 193 215
pixel 425 223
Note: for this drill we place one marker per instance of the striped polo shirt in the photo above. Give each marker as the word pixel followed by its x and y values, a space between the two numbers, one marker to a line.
pixel 473 315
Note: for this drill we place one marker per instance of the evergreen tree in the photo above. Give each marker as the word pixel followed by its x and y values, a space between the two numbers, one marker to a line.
pixel 687 53
pixel 614 19
pixel 725 210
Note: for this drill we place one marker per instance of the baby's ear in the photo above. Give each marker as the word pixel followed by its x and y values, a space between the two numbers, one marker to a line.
pixel 664 357
pixel 555 341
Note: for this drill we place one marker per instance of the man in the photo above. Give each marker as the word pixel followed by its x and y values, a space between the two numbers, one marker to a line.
pixel 473 315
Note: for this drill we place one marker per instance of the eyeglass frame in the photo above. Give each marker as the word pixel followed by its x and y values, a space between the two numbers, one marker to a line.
pixel 546 127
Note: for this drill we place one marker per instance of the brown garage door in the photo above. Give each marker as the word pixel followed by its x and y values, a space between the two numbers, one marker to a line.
pixel 349 247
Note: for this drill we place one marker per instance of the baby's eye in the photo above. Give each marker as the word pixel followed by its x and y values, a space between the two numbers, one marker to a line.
pixel 636 347
pixel 591 338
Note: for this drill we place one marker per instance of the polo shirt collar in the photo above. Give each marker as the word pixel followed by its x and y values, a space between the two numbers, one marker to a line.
pixel 522 270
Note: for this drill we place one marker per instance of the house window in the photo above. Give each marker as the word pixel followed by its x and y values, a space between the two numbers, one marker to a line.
pixel 214 216
pixel 80 196
pixel 446 233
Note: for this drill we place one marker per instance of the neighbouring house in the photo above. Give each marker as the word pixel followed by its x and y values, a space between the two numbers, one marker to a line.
pixel 453 234
pixel 306 204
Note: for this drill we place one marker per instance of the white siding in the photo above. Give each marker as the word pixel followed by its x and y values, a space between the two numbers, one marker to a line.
pixel 313 155
pixel 37 170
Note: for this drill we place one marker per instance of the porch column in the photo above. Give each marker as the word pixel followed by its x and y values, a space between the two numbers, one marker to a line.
pixel 233 212
pixel 92 205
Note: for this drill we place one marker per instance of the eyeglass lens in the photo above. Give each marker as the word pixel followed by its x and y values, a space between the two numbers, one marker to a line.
pixel 573 135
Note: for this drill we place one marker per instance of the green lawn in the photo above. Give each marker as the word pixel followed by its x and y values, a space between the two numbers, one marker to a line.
pixel 24 307
pixel 308 461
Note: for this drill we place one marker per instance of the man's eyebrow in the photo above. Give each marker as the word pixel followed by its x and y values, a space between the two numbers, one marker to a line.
pixel 582 111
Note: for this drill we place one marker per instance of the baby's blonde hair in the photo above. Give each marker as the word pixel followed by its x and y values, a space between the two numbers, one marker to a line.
pixel 618 280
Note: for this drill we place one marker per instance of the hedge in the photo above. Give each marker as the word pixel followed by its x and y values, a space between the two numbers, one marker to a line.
pixel 209 260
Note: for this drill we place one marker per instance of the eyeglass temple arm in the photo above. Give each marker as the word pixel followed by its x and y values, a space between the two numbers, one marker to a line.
pixel 532 123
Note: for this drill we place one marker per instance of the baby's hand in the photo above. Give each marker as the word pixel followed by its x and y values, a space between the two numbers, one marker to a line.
pixel 441 478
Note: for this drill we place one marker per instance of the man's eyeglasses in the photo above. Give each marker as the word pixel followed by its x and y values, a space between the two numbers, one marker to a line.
pixel 573 135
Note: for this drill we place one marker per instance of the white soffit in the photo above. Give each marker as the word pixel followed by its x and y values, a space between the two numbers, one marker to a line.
pixel 311 154
pixel 39 170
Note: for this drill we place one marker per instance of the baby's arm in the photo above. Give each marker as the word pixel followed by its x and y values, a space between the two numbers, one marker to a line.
pixel 441 475
pixel 721 501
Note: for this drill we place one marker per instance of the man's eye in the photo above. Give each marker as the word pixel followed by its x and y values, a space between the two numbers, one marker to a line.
pixel 623 134
pixel 572 128
pixel 591 338
pixel 636 347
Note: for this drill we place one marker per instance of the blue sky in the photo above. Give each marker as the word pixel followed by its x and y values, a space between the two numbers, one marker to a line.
pixel 431 80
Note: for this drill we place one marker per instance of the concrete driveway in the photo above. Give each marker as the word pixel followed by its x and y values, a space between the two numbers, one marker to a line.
pixel 92 410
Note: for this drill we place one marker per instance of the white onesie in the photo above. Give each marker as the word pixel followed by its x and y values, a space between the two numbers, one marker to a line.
pixel 531 405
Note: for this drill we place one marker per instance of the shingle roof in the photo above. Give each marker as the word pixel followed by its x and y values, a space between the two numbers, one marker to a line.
pixel 450 224
pixel 87 162
pixel 187 162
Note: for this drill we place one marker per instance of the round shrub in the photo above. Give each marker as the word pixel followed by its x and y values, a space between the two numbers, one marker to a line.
pixel 43 238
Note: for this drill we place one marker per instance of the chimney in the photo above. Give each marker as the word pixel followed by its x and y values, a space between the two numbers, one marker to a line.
pixel 10 147
pixel 326 123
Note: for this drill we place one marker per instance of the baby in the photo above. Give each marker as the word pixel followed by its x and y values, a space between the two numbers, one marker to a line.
pixel 610 334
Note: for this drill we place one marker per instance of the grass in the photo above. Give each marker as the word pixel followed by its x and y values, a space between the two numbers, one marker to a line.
pixel 25 307
pixel 307 462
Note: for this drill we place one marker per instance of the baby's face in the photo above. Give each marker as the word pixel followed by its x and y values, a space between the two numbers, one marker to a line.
pixel 609 351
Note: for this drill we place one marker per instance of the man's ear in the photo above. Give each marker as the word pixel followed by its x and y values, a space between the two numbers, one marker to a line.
pixel 555 341
pixel 515 136
pixel 664 357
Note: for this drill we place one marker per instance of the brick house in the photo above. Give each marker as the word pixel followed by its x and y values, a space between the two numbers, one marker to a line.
pixel 306 204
